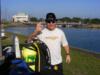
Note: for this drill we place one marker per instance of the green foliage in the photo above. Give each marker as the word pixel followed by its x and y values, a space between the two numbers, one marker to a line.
pixel 86 20
pixel 33 19
pixel 95 21
pixel 65 19
pixel 76 19
pixel 5 22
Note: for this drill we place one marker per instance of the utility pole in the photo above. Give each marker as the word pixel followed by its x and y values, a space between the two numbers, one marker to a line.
pixel 0 32
pixel 1 56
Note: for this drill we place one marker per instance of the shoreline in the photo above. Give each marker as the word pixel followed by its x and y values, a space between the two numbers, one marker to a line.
pixel 89 26
pixel 97 55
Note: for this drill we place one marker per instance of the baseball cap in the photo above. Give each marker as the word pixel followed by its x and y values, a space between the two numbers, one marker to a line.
pixel 50 17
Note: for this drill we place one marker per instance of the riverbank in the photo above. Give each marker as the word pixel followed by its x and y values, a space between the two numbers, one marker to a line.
pixel 82 62
pixel 95 26
pixel 16 25
pixel 97 55
pixel 87 26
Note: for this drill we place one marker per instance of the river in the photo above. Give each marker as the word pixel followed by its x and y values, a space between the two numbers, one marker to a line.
pixel 87 39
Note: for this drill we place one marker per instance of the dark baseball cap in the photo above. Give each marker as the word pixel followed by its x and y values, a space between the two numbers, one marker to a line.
pixel 50 17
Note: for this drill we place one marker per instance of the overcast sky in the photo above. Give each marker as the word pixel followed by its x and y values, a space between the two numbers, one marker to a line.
pixel 62 8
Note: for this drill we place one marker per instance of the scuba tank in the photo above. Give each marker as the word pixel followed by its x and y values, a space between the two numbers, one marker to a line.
pixel 16 47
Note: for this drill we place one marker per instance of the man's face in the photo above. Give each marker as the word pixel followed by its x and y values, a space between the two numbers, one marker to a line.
pixel 51 25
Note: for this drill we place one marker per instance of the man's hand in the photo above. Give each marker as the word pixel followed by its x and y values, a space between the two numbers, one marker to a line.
pixel 39 27
pixel 68 59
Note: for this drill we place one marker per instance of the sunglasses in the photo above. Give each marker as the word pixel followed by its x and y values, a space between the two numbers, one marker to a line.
pixel 49 21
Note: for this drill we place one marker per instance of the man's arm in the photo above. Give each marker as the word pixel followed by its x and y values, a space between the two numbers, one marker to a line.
pixel 67 50
pixel 33 35
pixel 37 31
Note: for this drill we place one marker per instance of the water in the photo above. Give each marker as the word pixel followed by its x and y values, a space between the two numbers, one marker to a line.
pixel 88 39
pixel 21 30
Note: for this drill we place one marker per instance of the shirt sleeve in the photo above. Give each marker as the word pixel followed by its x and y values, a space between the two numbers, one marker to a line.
pixel 64 41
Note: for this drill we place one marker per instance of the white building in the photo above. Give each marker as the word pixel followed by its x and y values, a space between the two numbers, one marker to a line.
pixel 21 17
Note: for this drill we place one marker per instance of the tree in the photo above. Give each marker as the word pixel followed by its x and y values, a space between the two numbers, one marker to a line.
pixel 33 19
pixel 42 19
pixel 86 20
pixel 76 19
pixel 65 19
pixel 95 21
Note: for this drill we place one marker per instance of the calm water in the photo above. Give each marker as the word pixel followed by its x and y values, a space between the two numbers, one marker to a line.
pixel 88 39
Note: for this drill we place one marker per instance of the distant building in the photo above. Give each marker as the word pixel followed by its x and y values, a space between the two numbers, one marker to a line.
pixel 21 17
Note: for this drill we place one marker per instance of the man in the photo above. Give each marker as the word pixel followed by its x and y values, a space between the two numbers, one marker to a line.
pixel 53 37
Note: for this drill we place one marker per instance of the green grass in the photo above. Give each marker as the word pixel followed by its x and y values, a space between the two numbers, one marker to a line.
pixel 82 63
pixel 9 39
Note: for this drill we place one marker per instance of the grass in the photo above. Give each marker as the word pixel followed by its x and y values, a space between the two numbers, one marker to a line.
pixel 8 40
pixel 82 63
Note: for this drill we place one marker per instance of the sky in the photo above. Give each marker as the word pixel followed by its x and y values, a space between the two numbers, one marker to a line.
pixel 62 8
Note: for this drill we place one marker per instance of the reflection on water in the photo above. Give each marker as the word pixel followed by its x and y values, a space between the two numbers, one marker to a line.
pixel 21 30
pixel 83 38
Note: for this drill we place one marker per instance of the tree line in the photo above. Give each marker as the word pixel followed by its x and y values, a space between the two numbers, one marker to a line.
pixel 74 19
